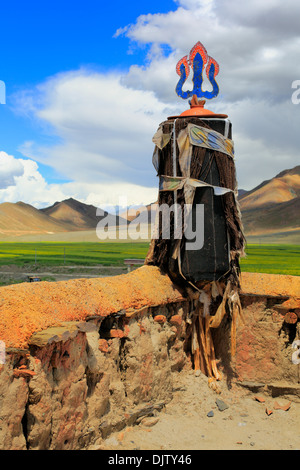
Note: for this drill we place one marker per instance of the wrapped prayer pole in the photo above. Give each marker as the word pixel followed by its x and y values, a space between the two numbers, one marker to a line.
pixel 198 238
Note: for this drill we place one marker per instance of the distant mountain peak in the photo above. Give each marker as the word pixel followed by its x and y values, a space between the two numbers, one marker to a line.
pixel 82 216
pixel 292 171
pixel 273 205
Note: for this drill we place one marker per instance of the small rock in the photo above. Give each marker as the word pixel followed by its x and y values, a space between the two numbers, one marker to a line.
pixel 282 405
pixel 116 333
pixel 103 345
pixel 197 373
pixel 210 414
pixel 23 373
pixel 291 318
pixel 176 320
pixel 149 421
pixel 260 399
pixel 160 318
pixel 221 405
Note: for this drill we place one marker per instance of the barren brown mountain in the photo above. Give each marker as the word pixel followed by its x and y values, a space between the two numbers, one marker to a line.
pixel 282 188
pixel 274 205
pixel 81 216
pixel 272 208
pixel 20 218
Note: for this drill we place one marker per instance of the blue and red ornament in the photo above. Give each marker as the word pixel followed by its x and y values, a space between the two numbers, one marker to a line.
pixel 197 60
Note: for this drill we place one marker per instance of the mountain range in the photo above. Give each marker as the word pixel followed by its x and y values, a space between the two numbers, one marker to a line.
pixel 70 215
pixel 273 206
pixel 271 209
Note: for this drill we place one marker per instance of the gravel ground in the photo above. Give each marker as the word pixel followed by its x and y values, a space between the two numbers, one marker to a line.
pixel 195 419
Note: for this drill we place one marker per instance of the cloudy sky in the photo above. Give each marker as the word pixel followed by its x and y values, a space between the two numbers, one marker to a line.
pixel 87 84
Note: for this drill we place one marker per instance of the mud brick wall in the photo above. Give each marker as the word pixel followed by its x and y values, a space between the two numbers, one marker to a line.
pixel 271 310
pixel 78 384
pixel 86 358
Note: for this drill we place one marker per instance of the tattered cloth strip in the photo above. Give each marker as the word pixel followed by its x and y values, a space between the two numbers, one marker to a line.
pixel 173 183
pixel 210 139
pixel 196 147
pixel 192 135
pixel 202 348
pixel 190 164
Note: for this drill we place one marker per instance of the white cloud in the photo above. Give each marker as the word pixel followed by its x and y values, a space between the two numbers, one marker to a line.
pixel 10 168
pixel 104 129
pixel 256 48
pixel 257 45
pixel 30 186
pixel 103 123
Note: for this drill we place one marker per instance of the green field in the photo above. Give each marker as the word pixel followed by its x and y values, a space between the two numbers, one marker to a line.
pixel 276 259
pixel 58 254
pixel 272 259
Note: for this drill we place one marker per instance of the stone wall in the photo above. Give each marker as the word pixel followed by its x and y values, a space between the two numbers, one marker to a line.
pixel 71 383
pixel 264 346
pixel 78 383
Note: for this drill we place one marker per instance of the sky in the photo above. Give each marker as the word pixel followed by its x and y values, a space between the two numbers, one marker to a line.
pixel 88 83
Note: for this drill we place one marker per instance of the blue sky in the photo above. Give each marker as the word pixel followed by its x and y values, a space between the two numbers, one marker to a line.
pixel 87 84
pixel 41 39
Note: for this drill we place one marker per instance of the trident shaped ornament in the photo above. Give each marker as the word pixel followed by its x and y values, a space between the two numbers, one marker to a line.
pixel 197 60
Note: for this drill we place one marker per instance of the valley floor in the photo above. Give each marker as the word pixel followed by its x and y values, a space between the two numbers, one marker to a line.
pixel 13 274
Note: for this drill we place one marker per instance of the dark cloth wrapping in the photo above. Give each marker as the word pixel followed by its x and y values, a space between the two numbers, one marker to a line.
pixel 223 213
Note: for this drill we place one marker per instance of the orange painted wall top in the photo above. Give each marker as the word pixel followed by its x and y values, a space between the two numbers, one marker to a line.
pixel 31 307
